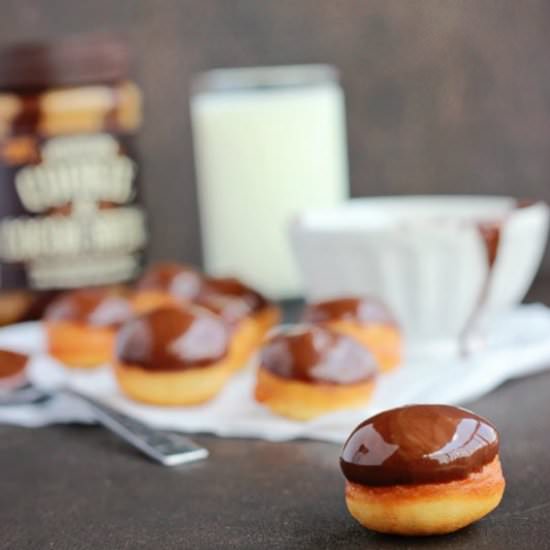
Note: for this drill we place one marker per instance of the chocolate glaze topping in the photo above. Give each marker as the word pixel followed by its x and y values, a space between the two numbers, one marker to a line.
pixel 230 298
pixel 98 307
pixel 11 363
pixel 418 444
pixel 176 279
pixel 363 310
pixel 314 354
pixel 173 338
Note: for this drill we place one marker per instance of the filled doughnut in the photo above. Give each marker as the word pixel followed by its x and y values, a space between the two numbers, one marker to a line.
pixel 165 284
pixel 422 470
pixel 247 312
pixel 366 319
pixel 12 369
pixel 173 356
pixel 81 325
pixel 306 371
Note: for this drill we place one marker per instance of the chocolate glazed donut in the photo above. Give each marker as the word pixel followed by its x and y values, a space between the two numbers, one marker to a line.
pixel 306 371
pixel 173 356
pixel 12 364
pixel 248 314
pixel 81 325
pixel 365 319
pixel 180 281
pixel 230 298
pixel 422 470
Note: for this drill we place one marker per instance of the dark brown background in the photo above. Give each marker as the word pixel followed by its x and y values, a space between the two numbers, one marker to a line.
pixel 443 96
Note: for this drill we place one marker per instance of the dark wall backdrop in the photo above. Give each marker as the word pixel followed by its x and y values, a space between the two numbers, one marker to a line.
pixel 443 96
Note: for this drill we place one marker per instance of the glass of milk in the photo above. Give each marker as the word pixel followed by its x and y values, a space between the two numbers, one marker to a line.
pixel 269 142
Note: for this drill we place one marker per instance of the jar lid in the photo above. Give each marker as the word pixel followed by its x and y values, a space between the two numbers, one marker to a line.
pixel 74 61
pixel 263 78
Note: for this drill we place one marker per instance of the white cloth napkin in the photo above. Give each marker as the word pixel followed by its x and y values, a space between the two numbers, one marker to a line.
pixel 518 344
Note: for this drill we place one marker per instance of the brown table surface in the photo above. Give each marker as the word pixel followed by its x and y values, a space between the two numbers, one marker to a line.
pixel 80 488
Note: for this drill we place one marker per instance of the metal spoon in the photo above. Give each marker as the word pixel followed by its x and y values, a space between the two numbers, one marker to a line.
pixel 167 448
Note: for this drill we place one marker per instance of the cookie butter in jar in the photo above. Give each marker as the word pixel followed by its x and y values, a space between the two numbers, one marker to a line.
pixel 69 209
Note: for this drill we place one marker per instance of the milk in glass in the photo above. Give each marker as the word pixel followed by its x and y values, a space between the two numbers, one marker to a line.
pixel 269 142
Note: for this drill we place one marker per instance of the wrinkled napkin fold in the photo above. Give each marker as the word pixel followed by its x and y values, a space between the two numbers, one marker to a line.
pixel 518 344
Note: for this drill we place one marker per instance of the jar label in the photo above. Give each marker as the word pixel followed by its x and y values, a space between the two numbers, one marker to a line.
pixel 74 220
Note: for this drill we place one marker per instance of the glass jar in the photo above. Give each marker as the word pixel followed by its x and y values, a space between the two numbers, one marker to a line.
pixel 69 207
pixel 269 142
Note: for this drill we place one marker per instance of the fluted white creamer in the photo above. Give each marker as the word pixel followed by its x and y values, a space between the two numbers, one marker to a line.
pixel 425 256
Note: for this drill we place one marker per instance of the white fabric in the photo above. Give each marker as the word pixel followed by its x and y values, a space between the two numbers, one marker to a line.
pixel 517 345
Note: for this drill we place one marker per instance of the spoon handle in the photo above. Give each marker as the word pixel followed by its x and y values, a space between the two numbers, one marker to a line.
pixel 170 449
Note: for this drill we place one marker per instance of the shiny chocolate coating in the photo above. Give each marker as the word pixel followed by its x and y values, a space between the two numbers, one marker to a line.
pixel 178 280
pixel 95 306
pixel 173 338
pixel 361 310
pixel 230 299
pixel 11 363
pixel 418 444
pixel 313 354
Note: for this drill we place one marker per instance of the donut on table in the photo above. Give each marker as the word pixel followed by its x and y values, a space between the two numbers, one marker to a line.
pixel 173 356
pixel 14 305
pixel 81 325
pixel 247 312
pixel 165 284
pixel 422 470
pixel 12 369
pixel 366 319
pixel 306 371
